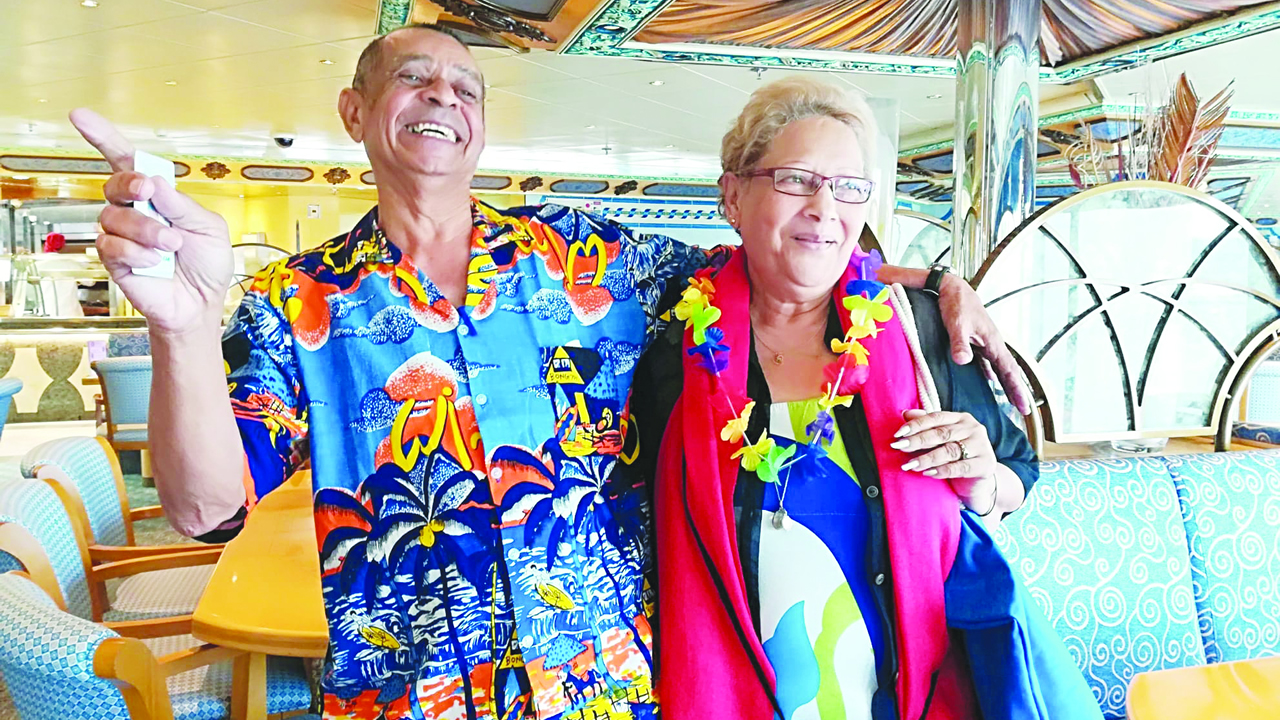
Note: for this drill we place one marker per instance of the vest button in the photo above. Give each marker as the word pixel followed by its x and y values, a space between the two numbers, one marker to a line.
pixel 873 492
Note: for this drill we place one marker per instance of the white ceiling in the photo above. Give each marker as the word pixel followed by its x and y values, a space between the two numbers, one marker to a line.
pixel 245 70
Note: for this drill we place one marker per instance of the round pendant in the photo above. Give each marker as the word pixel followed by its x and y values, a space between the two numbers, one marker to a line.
pixel 781 520
pixel 777 358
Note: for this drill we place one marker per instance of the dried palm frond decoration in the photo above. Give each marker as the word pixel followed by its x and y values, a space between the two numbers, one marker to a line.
pixel 1186 134
pixel 1176 142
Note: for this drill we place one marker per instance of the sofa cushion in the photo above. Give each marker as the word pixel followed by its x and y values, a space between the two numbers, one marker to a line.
pixel 1258 432
pixel 1231 502
pixel 1101 546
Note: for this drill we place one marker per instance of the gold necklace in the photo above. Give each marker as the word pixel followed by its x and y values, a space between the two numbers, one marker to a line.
pixel 778 357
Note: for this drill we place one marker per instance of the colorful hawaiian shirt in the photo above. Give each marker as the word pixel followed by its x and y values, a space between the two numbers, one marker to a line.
pixel 480 557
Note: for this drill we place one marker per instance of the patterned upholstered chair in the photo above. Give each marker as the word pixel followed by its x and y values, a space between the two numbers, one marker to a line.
pixel 94 469
pixel 1256 431
pixel 158 591
pixel 126 395
pixel 1102 548
pixel 8 388
pixel 57 665
pixel 1231 503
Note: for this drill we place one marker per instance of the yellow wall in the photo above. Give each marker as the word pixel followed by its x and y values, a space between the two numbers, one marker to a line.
pixel 281 212
pixel 283 218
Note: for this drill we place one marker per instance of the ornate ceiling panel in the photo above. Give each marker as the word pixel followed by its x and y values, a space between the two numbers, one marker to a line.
pixel 1070 30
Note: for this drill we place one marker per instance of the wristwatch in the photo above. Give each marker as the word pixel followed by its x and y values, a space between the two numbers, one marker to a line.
pixel 933 283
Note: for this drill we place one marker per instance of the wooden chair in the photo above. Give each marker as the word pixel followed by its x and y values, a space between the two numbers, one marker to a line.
pixel 126 399
pixel 153 594
pixel 93 469
pixel 58 664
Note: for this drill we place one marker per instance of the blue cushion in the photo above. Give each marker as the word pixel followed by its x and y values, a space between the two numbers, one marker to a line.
pixel 126 387
pixel 46 657
pixel 86 463
pixel 1232 506
pixel 36 507
pixel 1101 546
pixel 1260 432
pixel 8 388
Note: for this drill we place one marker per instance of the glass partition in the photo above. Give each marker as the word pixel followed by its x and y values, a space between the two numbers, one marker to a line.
pixel 920 240
pixel 1134 305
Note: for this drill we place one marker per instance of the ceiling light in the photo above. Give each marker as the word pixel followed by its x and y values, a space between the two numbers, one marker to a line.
pixel 326 61
pixel 656 83
pixel 671 147
pixel 935 96
pixel 89 3
pixel 589 127
pixel 170 83
pixel 42 100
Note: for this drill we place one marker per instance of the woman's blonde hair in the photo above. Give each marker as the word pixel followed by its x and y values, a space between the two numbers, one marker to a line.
pixel 782 102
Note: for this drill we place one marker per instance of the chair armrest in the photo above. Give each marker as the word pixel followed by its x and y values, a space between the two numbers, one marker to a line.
pixel 153 627
pixel 125 568
pixel 199 656
pixel 130 666
pixel 146 513
pixel 113 553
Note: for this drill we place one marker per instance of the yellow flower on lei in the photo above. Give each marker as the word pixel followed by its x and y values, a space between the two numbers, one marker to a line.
pixel 851 347
pixel 752 455
pixel 735 428
pixel 695 297
pixel 864 314
pixel 830 399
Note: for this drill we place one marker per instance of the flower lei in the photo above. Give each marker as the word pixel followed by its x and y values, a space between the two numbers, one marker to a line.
pixel 867 304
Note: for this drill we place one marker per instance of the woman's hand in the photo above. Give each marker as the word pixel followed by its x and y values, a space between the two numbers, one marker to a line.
pixel 953 446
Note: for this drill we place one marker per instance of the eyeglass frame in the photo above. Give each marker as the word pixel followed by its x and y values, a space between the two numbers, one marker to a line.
pixel 829 181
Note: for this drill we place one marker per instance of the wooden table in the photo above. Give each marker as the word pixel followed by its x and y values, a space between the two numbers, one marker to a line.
pixel 264 596
pixel 1249 689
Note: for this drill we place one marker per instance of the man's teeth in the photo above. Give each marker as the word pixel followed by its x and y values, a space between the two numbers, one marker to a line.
pixel 434 130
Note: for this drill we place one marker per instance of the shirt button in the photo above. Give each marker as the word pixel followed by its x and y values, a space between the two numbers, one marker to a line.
pixel 880 579
pixel 482 399
pixel 873 492
pixel 463 329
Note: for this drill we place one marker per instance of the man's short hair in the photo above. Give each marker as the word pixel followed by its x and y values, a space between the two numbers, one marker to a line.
pixel 372 53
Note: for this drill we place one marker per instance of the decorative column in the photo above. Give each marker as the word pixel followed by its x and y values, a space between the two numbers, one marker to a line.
pixel 997 94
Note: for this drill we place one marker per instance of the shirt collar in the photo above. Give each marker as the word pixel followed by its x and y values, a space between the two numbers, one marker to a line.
pixel 367 241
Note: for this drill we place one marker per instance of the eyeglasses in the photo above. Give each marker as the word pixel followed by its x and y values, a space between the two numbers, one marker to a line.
pixel 794 181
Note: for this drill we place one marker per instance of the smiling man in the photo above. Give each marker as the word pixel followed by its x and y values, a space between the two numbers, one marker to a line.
pixel 460 376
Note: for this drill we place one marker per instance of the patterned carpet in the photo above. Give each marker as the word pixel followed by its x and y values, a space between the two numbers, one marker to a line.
pixel 146 532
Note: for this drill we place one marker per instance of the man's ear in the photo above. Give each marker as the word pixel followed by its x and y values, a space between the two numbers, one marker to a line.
pixel 351 108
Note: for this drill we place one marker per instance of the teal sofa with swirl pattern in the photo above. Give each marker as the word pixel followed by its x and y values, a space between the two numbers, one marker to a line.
pixel 1149 563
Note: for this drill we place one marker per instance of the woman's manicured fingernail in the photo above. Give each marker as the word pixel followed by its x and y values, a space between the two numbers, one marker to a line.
pixel 902 431
pixel 911 465
pixel 899 445
pixel 930 472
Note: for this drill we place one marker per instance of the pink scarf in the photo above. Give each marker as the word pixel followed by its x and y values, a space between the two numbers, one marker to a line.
pixel 712 662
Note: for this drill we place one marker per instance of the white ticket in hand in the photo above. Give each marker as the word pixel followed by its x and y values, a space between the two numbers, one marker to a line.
pixel 155 167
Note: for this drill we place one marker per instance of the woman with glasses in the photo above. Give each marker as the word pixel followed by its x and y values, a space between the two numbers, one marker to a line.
pixel 821 466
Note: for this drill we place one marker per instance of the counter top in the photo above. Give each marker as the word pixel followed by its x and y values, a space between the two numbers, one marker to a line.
pixel 86 324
